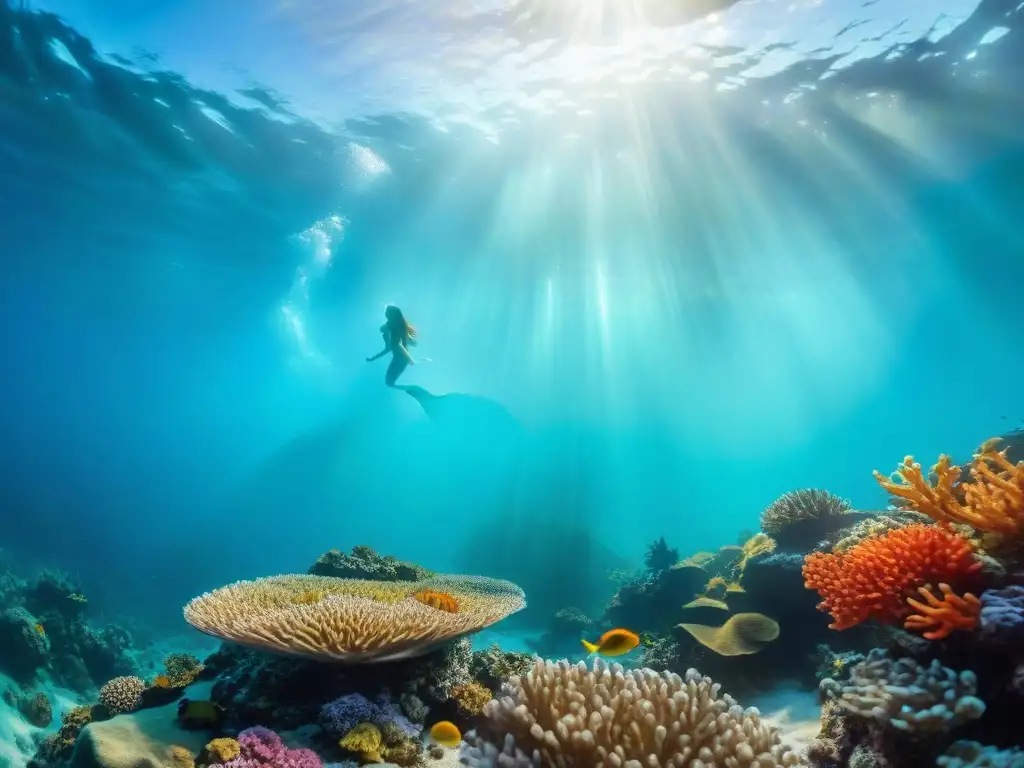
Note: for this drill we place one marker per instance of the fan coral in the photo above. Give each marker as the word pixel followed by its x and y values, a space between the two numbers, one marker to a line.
pixel 907 696
pixel 359 621
pixel 742 634
pixel 798 506
pixel 571 716
pixel 873 579
pixel 471 697
pixel 262 748
pixel 1002 616
pixel 122 694
pixel 993 501
pixel 942 617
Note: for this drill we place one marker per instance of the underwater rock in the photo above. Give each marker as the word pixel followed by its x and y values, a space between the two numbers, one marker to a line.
pixel 23 648
pixel 55 594
pixel 141 738
pixel 363 563
pixel 653 604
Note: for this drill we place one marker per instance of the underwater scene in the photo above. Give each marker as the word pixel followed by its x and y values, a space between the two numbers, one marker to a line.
pixel 512 383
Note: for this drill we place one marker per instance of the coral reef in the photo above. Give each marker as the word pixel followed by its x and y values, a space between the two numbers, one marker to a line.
pixel 572 715
pixel 262 748
pixel 122 694
pixel 355 620
pixel 873 579
pixel 363 563
pixel 799 519
pixel 1002 616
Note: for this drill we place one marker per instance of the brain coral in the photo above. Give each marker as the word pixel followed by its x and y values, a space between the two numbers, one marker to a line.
pixel 352 620
pixel 122 694
pixel 566 715
pixel 873 579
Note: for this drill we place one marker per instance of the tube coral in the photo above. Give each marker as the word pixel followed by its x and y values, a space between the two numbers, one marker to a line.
pixel 943 617
pixel 873 579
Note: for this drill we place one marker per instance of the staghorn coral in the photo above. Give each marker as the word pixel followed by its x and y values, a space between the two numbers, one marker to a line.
pixel 122 694
pixel 566 715
pixel 906 696
pixel 943 617
pixel 1002 616
pixel 359 621
pixel 873 579
pixel 742 634
pixel 802 516
pixel 471 697
pixel 992 501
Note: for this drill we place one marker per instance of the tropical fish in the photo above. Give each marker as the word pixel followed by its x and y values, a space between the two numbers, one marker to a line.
pixel 614 642
pixel 446 734
pixel 199 714
pixel 162 681
pixel 39 629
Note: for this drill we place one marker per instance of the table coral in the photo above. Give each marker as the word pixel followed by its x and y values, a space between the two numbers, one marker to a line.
pixel 873 579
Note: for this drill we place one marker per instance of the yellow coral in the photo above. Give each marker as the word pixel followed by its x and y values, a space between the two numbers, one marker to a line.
pixel 365 740
pixel 181 757
pixel 742 634
pixel 471 697
pixel 993 502
pixel 222 750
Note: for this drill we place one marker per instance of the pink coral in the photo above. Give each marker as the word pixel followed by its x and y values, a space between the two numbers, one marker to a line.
pixel 262 748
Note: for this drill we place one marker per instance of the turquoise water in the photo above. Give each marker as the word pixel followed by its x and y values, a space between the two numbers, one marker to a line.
pixel 691 259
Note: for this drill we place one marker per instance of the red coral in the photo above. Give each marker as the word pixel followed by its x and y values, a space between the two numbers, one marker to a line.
pixel 873 579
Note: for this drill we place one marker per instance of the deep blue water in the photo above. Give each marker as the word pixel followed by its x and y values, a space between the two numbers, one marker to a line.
pixel 702 259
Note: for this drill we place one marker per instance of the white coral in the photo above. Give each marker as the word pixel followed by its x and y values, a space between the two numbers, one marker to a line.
pixel 569 716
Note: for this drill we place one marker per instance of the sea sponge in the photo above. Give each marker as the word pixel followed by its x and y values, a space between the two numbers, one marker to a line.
pixel 471 697
pixel 873 579
pixel 364 740
pixel 742 634
pixel 358 621
pixel 993 501
pixel 122 694
pixel 571 716
pixel 943 617
pixel 808 504
pixel 220 751
pixel 907 696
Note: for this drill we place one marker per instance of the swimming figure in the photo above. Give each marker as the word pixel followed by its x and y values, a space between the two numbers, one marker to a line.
pixel 399 334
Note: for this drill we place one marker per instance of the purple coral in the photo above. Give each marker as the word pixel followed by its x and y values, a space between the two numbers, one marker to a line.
pixel 262 748
pixel 346 712
pixel 1002 615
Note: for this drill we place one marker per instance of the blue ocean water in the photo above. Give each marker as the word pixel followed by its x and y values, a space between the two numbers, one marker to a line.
pixel 680 259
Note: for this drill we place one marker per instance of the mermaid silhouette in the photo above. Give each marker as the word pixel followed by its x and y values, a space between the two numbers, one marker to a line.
pixel 398 334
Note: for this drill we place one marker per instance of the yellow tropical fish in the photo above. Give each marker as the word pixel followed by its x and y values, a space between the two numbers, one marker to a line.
pixel 614 642
pixel 446 734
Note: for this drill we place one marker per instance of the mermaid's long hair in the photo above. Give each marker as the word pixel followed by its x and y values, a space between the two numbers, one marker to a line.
pixel 398 327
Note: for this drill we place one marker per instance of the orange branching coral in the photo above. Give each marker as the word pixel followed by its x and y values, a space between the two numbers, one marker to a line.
pixel 873 579
pixel 442 601
pixel 992 501
pixel 945 616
